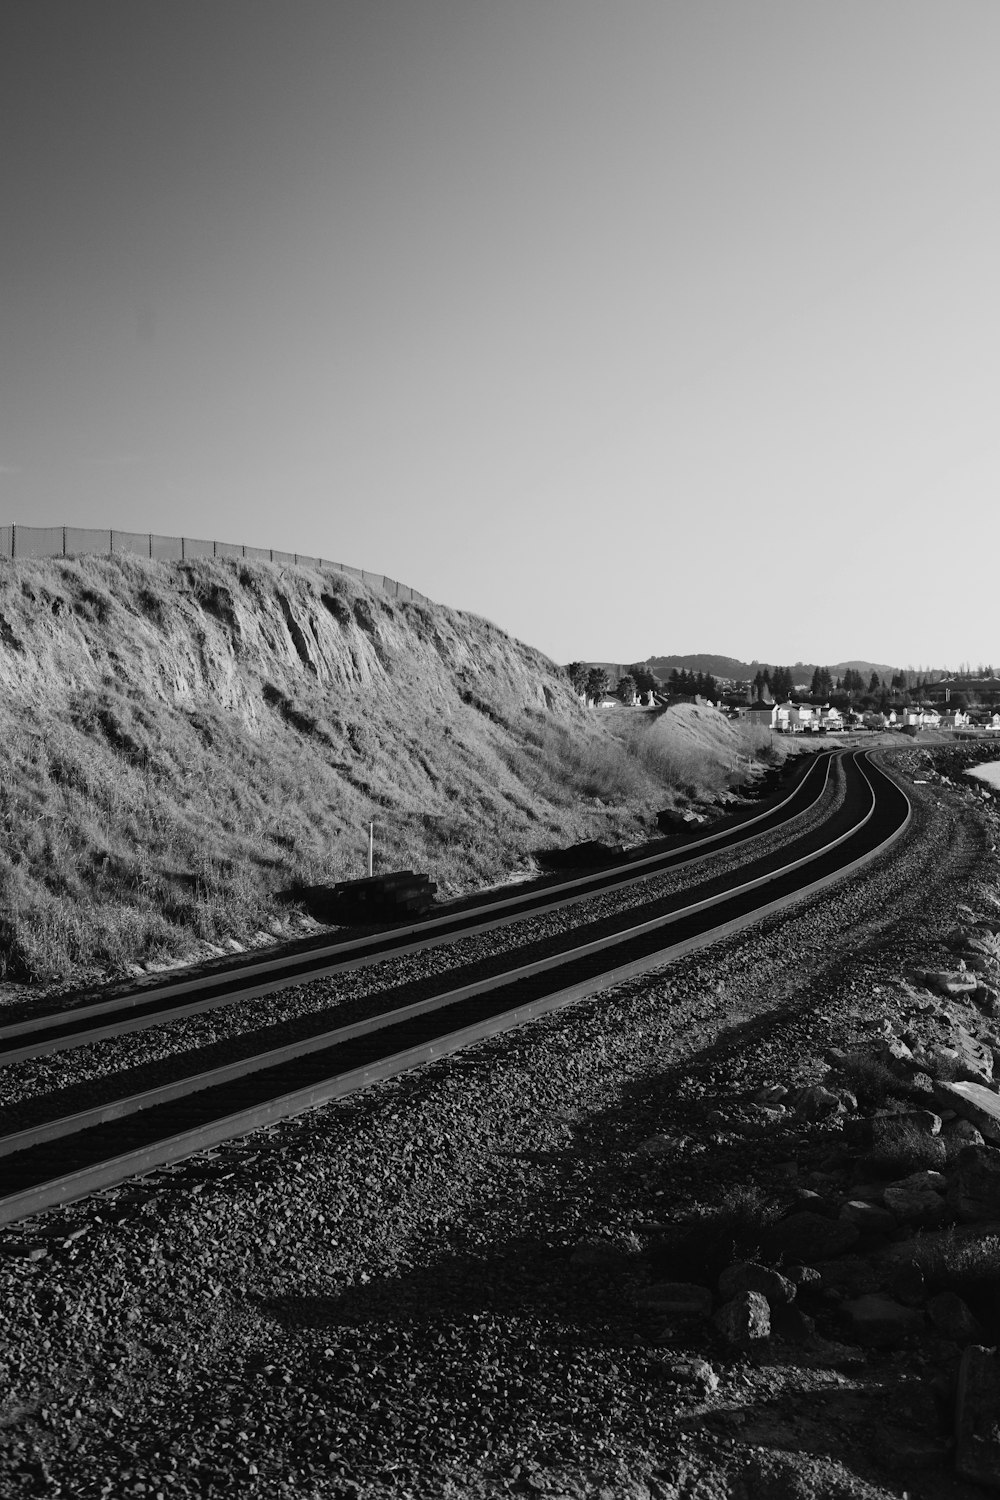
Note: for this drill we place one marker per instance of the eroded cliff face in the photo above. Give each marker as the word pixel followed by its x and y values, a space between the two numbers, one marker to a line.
pixel 186 744
pixel 225 631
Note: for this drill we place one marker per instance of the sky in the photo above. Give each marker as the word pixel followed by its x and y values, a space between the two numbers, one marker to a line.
pixel 638 328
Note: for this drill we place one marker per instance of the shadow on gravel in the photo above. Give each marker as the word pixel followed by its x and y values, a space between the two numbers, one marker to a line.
pixel 524 1278
pixel 886 1419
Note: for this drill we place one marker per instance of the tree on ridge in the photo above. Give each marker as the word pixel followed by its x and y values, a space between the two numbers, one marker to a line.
pixel 597 683
pixel 577 674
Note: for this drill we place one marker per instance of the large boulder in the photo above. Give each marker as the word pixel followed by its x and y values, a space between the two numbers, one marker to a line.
pixel 745 1320
pixel 960 1133
pixel 917 1199
pixel 987 997
pixel 689 1372
pixel 949 982
pixel 963 1058
pixel 974 1102
pixel 815 1102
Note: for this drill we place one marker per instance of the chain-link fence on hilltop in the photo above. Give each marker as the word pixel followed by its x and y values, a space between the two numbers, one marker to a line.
pixel 65 541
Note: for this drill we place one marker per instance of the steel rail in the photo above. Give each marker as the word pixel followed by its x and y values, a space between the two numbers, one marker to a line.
pixel 191 1083
pixel 79 1026
pixel 869 835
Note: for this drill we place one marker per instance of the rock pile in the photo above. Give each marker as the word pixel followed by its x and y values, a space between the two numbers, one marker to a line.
pixel 898 1246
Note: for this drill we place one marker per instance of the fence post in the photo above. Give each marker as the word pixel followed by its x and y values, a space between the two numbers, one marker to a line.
pixel 13 542
pixel 64 541
pixel 151 546
pixel 182 549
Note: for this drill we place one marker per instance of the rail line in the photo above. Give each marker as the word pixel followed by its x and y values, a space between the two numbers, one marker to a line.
pixel 154 1006
pixel 64 1160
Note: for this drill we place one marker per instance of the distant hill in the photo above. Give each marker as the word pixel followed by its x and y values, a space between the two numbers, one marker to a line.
pixel 718 666
pixel 731 666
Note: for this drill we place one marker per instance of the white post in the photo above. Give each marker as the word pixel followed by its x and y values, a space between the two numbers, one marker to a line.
pixel 371 847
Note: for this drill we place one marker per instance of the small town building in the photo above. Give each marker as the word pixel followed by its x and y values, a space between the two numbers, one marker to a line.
pixel 762 715
pixel 794 718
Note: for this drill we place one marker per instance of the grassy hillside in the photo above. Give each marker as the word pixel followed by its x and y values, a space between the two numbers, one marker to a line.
pixel 731 666
pixel 184 744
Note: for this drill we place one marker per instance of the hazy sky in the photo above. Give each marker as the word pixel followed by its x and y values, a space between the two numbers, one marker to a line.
pixel 636 327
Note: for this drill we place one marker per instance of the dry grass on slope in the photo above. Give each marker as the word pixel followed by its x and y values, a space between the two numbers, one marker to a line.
pixel 185 744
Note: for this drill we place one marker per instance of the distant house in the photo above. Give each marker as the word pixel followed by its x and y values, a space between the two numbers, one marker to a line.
pixel 762 715
pixel 793 718
pixel 954 718
pixel 803 718
pixel 915 717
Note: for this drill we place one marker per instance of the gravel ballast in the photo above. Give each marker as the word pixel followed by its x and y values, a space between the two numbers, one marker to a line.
pixel 391 1296
pixel 88 1075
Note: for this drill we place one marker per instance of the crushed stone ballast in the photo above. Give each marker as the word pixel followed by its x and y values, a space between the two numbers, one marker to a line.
pixel 237 981
pixel 67 1159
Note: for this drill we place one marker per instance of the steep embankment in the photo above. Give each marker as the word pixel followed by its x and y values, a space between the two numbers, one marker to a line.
pixel 185 743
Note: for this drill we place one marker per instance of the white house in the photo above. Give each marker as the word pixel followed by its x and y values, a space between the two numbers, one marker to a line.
pixel 919 718
pixel 792 718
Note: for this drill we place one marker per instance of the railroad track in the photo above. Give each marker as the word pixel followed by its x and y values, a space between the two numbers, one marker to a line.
pixel 65 1158
pixel 176 999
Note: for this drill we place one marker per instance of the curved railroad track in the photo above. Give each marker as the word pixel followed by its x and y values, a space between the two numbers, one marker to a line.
pixel 67 1157
pixel 238 980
